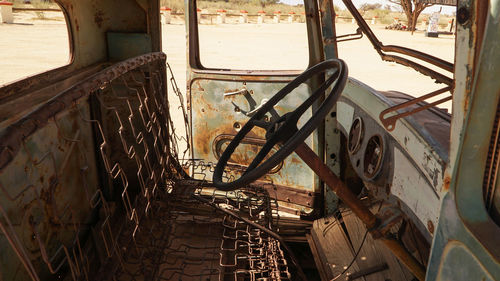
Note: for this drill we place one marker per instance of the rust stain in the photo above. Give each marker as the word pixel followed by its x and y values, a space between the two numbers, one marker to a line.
pixel 199 101
pixel 231 90
pixel 295 160
pixel 197 86
pixel 446 183
pixel 466 101
pixel 430 227
pixel 201 139
pixel 204 137
pixel 99 18
pixel 252 78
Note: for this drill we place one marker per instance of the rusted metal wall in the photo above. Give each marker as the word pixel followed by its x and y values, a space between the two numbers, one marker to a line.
pixel 43 194
pixel 103 139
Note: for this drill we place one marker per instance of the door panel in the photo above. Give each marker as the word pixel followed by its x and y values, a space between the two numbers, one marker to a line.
pixel 221 100
pixel 218 114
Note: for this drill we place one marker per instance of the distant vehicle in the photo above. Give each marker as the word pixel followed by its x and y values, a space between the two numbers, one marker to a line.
pixel 271 175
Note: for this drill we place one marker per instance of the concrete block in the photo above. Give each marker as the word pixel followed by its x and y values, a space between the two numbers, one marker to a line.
pixel 166 15
pixel 260 17
pixel 221 16
pixel 6 12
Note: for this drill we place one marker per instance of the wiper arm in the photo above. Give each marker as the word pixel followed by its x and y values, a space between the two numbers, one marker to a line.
pixel 381 49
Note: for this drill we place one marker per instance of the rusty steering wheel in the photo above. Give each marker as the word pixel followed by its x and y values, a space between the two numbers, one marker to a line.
pixel 284 129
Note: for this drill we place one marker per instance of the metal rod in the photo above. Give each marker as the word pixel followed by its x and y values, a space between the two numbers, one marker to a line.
pixel 367 217
pixel 342 191
pixel 389 122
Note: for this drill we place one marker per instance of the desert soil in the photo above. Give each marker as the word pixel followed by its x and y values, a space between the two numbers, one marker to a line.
pixel 32 45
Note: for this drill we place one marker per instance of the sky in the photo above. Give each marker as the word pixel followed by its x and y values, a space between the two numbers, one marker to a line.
pixel 446 9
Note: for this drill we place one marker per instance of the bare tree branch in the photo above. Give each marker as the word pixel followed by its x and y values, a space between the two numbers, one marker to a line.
pixel 412 10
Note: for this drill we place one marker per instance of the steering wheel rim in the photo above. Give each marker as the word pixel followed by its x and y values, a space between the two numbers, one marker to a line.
pixel 294 138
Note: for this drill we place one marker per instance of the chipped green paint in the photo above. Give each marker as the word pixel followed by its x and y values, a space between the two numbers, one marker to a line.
pixel 464 217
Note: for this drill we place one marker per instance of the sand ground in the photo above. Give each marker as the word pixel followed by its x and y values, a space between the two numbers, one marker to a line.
pixel 32 45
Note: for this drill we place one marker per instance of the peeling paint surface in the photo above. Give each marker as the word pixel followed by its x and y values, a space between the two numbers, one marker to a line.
pixel 345 114
pixel 409 186
pixel 214 114
pixel 425 155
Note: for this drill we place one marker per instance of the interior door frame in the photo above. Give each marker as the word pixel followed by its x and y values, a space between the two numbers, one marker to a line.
pixel 317 23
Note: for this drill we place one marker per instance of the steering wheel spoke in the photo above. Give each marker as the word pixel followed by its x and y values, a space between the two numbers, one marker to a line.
pixel 261 124
pixel 283 129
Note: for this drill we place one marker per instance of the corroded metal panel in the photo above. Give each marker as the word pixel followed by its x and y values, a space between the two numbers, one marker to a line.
pixel 104 138
pixel 217 115
pixel 45 194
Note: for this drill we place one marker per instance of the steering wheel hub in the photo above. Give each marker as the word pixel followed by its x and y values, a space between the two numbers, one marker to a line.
pixel 284 130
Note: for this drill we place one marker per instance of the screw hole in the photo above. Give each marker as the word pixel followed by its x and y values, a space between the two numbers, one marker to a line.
pixel 237 126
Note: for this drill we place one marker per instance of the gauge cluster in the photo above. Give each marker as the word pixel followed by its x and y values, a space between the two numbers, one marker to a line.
pixel 388 170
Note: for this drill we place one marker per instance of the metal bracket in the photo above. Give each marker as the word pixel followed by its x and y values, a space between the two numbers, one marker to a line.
pixel 352 36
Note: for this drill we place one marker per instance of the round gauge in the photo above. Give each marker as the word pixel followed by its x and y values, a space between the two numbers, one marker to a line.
pixel 373 156
pixel 356 135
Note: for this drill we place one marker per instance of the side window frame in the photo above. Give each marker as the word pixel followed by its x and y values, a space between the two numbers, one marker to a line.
pixel 46 77
pixel 315 46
